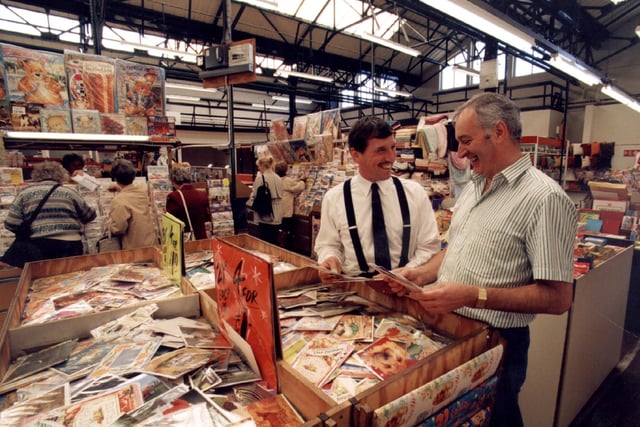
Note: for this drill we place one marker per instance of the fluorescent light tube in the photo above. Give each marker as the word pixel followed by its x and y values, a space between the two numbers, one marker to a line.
pixel 391 44
pixel 75 137
pixel 620 96
pixel 571 67
pixel 184 55
pixel 190 88
pixel 269 107
pixel 183 98
pixel 466 70
pixel 265 4
pixel 286 99
pixel 483 20
pixel 638 30
pixel 392 92
pixel 307 76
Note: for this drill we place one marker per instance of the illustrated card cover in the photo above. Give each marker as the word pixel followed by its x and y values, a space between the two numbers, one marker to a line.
pixel 126 357
pixel 273 411
pixel 278 130
pixel 385 357
pixel 87 358
pixel 178 362
pixel 86 121
pixel 23 412
pixel 300 151
pixel 91 81
pixel 135 125
pixel 204 379
pixel 354 327
pixel 161 126
pixel 101 410
pixel 299 127
pixel 313 323
pixel 56 121
pixel 139 89
pixel 238 372
pixel 112 123
pixel 204 337
pixel 321 357
pixel 35 362
pixel 25 117
pixel 5 115
pixel 247 302
pixel 314 126
pixel 35 77
pixel 331 123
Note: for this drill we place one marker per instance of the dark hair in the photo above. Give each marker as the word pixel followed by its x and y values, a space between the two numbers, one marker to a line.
pixel 69 159
pixel 282 168
pixel 123 172
pixel 365 129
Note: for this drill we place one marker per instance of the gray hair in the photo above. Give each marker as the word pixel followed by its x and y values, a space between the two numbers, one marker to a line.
pixel 181 174
pixel 49 171
pixel 493 107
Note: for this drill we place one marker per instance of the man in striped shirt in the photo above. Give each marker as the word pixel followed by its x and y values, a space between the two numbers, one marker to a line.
pixel 510 244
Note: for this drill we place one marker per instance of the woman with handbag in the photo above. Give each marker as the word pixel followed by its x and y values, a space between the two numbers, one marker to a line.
pixel 269 224
pixel 189 204
pixel 47 218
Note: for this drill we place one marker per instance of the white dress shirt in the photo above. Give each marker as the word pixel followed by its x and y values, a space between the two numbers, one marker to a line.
pixel 334 239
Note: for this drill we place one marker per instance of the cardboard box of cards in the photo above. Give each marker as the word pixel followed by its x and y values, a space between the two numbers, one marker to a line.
pixel 319 345
pixel 288 267
pixel 421 380
pixel 62 299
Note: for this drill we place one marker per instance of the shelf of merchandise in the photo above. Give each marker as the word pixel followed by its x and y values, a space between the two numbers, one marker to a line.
pixel 544 150
pixel 81 141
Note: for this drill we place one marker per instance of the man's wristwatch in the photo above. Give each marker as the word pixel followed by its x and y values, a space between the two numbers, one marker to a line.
pixel 481 301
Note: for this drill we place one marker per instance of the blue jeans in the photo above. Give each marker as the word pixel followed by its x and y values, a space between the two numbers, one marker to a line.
pixel 506 410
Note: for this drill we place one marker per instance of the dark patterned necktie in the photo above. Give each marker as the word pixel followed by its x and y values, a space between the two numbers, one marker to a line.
pixel 380 241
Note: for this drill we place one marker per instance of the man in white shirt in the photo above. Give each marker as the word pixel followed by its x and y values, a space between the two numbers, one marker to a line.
pixel 372 146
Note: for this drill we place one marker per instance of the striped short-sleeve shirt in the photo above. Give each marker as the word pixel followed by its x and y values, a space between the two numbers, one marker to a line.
pixel 521 229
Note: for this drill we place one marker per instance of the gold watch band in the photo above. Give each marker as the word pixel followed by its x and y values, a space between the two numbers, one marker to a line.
pixel 481 301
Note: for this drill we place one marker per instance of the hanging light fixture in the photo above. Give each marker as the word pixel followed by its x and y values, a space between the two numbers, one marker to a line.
pixel 308 76
pixel 391 44
pixel 391 92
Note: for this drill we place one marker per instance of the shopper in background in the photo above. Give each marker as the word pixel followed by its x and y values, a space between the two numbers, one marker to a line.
pixel 510 243
pixel 269 225
pixel 187 203
pixel 73 163
pixel 403 202
pixel 57 230
pixel 291 188
pixel 130 216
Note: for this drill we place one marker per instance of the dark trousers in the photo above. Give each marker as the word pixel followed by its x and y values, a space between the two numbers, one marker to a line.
pixel 506 410
pixel 54 248
pixel 269 232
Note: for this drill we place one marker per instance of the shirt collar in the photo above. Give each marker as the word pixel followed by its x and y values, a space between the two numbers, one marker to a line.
pixel 509 174
pixel 365 185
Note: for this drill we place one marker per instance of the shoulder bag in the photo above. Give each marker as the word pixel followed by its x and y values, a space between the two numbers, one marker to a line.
pixel 24 249
pixel 188 235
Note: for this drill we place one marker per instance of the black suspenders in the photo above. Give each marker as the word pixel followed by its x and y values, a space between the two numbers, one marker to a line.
pixel 353 229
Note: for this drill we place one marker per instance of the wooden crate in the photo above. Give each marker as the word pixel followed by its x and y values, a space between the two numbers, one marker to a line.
pixel 16 339
pixel 302 275
pixel 471 338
